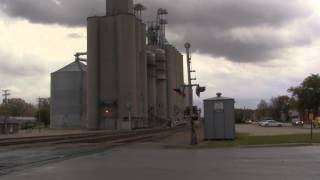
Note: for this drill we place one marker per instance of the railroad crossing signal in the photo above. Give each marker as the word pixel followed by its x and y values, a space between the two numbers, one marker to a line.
pixel 200 90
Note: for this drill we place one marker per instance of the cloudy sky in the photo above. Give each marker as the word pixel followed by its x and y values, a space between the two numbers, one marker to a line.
pixel 247 49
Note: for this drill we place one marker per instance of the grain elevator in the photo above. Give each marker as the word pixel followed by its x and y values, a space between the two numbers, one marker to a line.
pixel 132 70
pixel 131 82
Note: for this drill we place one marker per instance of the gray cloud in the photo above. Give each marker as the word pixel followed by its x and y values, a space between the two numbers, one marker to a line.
pixel 210 25
pixel 230 13
pixel 25 76
pixel 240 31
pixel 257 46
pixel 75 36
pixel 64 12
pixel 19 67
pixel 220 13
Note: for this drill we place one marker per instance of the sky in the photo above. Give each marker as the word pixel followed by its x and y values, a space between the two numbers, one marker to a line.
pixel 246 49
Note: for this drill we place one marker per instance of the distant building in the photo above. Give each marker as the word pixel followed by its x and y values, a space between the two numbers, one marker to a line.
pixel 20 120
pixel 11 125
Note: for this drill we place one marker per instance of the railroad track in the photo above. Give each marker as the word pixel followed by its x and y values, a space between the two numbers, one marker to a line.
pixel 80 138
pixel 65 147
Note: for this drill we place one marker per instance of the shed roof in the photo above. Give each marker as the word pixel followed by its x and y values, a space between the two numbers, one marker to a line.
pixel 219 98
pixel 75 66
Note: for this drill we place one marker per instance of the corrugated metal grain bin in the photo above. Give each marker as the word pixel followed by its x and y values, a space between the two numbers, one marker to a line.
pixel 68 97
pixel 219 118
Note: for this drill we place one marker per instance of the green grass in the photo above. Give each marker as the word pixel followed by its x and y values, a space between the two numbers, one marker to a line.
pixel 244 140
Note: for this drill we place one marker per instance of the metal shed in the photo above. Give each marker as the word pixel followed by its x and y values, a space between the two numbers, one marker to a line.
pixel 68 97
pixel 219 118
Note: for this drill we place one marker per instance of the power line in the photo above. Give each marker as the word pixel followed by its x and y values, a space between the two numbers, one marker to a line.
pixel 6 94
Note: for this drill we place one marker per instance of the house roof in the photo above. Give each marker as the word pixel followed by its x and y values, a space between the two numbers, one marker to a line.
pixel 17 120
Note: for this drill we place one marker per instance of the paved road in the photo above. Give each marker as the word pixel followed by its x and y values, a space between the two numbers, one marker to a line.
pixel 154 162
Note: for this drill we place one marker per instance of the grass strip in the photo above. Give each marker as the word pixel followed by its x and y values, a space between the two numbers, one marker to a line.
pixel 247 140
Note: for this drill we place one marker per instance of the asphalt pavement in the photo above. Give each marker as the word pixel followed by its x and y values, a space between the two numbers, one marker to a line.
pixel 157 162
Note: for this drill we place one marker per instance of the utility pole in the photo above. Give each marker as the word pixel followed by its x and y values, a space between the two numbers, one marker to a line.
pixel 6 94
pixel 39 113
pixel 311 124
pixel 190 90
pixel 194 138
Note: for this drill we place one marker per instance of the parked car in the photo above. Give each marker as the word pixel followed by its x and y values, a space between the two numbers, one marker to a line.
pixel 297 123
pixel 270 123
pixel 249 122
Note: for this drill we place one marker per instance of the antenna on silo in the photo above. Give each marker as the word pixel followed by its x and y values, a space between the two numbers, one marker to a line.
pixel 78 56
pixel 138 8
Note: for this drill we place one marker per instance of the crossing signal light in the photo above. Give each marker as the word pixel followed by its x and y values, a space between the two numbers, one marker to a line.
pixel 200 90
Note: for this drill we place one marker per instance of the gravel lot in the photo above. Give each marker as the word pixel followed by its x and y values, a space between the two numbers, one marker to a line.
pixel 255 130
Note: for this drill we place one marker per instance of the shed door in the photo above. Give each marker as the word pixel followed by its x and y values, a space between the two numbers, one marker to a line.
pixel 219 120
pixel 219 125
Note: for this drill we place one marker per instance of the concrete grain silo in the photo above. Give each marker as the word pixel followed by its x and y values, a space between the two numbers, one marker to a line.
pixel 172 80
pixel 119 7
pixel 162 86
pixel 175 81
pixel 142 85
pixel 180 83
pixel 117 97
pixel 152 87
pixel 68 97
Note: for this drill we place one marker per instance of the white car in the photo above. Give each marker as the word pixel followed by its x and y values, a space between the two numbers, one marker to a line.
pixel 270 123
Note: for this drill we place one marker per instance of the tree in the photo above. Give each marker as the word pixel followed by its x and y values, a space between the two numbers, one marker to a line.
pixel 43 113
pixel 307 94
pixel 280 106
pixel 243 115
pixel 17 107
pixel 262 109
